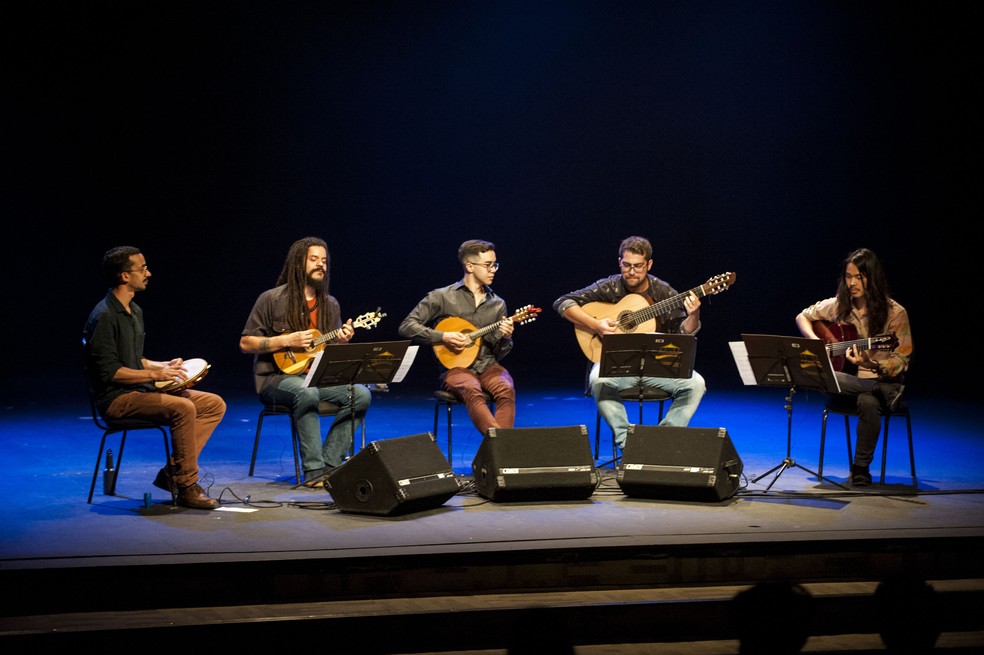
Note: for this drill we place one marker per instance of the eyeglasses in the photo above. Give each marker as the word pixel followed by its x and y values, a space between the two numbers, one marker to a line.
pixel 142 269
pixel 626 266
pixel 492 266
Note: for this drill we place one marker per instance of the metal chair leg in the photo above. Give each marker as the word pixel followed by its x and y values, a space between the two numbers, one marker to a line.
pixel 449 431
pixel 256 443
pixel 850 449
pixel 912 452
pixel 295 446
pixel 95 471
pixel 597 434
pixel 823 441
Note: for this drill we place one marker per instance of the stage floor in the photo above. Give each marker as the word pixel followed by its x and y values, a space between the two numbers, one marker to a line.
pixel 793 525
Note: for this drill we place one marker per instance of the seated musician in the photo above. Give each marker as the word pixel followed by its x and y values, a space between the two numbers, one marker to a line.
pixel 871 380
pixel 635 261
pixel 471 302
pixel 124 380
pixel 288 319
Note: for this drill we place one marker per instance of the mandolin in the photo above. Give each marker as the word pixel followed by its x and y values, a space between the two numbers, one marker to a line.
pixel 295 360
pixel 464 358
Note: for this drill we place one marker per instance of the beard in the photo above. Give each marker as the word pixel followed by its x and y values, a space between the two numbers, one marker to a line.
pixel 317 283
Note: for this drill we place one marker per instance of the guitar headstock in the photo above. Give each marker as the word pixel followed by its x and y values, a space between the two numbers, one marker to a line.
pixel 369 320
pixel 884 342
pixel 718 283
pixel 525 314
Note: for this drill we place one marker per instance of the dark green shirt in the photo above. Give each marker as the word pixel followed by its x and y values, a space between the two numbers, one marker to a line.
pixel 114 338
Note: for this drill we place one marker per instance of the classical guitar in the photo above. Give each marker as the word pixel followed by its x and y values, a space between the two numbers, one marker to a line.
pixel 841 337
pixel 464 358
pixel 634 313
pixel 296 360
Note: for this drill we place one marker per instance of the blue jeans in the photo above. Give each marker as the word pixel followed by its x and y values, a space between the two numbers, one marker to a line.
pixel 686 395
pixel 315 455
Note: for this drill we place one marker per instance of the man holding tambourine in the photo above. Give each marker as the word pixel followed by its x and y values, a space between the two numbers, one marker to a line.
pixel 128 385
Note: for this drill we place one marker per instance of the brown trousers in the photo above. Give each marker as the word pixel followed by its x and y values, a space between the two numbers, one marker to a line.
pixel 191 415
pixel 468 386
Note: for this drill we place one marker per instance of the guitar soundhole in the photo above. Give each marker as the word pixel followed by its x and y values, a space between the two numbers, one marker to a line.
pixel 626 323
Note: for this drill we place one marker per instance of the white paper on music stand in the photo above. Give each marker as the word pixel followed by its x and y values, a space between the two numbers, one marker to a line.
pixel 740 353
pixel 408 358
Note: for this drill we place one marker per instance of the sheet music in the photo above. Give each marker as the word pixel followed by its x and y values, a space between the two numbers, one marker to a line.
pixel 740 353
pixel 408 358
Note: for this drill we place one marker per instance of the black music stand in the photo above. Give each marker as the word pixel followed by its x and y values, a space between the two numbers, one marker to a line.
pixel 778 361
pixel 647 354
pixel 357 363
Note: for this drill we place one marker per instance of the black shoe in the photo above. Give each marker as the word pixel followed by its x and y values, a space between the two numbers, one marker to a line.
pixel 164 481
pixel 196 498
pixel 860 476
pixel 891 394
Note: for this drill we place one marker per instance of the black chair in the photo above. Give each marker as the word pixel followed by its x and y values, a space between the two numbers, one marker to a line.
pixel 848 409
pixel 123 427
pixel 325 408
pixel 449 400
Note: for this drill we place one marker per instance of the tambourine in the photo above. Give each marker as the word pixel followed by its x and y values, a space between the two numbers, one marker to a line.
pixel 196 370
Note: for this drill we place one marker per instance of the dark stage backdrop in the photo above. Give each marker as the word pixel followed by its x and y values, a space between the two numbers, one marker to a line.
pixel 765 138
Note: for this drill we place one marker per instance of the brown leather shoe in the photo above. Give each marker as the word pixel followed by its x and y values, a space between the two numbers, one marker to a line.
pixel 196 498
pixel 164 481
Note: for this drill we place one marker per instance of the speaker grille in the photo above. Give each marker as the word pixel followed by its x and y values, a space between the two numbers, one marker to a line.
pixel 699 464
pixel 393 476
pixel 524 464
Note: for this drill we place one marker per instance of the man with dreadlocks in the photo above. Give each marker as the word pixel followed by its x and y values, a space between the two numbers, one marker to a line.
pixel 291 316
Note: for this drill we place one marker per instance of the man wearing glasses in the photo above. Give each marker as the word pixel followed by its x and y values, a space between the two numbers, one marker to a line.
pixel 466 306
pixel 124 381
pixel 635 260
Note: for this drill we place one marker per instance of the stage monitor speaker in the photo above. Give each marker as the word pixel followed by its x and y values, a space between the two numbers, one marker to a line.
pixel 523 464
pixel 393 476
pixel 674 463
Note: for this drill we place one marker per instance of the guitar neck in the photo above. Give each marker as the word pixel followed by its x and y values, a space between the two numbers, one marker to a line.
pixel 840 347
pixel 663 306
pixel 326 337
pixel 488 329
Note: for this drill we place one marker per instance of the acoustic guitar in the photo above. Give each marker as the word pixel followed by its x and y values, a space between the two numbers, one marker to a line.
pixel 464 358
pixel 295 360
pixel 841 337
pixel 636 313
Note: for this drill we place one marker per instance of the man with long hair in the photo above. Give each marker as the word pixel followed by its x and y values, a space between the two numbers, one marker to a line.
pixel 869 379
pixel 291 316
